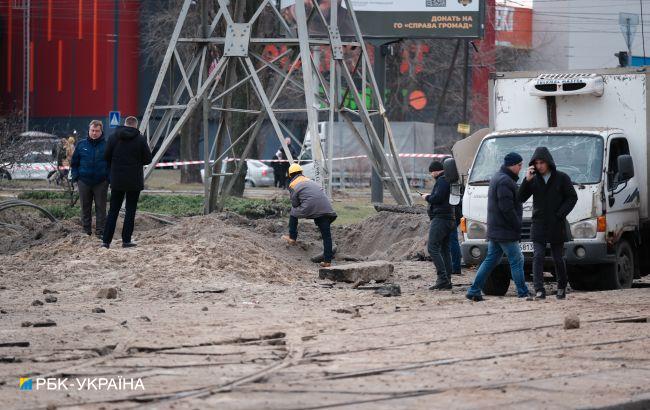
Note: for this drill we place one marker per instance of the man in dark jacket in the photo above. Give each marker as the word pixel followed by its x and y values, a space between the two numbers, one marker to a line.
pixel 309 201
pixel 90 171
pixel 441 228
pixel 553 199
pixel 127 153
pixel 503 228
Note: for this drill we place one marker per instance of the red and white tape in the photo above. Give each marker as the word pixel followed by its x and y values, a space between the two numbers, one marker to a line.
pixel 47 167
pixel 181 163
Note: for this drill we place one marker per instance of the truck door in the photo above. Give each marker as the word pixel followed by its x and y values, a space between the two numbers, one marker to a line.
pixel 622 196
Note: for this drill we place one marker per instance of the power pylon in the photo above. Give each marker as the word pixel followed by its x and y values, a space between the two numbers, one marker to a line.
pixel 227 57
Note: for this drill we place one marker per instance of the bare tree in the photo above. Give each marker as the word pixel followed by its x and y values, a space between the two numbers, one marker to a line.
pixel 159 19
pixel 11 148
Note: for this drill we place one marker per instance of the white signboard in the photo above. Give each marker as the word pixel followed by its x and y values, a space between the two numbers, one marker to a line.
pixel 414 5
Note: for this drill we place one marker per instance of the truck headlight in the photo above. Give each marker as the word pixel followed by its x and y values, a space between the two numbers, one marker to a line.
pixel 476 230
pixel 584 229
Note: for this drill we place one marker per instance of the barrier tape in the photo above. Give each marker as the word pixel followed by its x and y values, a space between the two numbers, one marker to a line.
pixel 181 163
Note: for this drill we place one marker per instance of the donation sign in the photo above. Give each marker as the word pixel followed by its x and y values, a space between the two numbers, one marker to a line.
pixel 409 18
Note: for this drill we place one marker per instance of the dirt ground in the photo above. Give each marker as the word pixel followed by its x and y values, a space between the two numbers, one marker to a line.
pixel 216 312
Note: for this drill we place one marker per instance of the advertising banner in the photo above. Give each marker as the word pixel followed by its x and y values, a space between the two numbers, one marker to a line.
pixel 408 18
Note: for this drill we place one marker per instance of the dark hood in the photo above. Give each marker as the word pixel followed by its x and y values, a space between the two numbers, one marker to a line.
pixel 127 133
pixel 542 153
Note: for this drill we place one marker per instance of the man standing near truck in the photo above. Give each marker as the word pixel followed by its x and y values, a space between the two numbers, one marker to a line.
pixel 553 199
pixel 443 224
pixel 504 215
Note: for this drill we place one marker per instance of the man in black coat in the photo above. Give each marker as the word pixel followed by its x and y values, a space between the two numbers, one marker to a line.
pixel 127 152
pixel 553 199
pixel 503 228
pixel 442 226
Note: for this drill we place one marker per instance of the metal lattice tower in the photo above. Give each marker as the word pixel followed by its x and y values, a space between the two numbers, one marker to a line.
pixel 227 56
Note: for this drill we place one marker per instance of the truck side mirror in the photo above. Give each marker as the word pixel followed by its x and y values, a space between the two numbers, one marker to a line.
pixel 625 168
pixel 451 172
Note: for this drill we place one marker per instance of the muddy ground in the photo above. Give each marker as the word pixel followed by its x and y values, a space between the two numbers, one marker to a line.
pixel 216 312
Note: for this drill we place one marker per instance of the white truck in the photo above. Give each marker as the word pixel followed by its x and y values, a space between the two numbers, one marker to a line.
pixel 596 124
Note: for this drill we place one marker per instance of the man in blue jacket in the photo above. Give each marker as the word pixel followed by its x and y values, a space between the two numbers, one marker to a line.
pixel 442 225
pixel 503 228
pixel 90 171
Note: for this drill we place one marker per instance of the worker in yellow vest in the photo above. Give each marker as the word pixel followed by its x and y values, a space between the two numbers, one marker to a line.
pixel 309 201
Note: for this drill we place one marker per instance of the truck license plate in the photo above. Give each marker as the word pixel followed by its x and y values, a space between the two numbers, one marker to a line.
pixel 526 246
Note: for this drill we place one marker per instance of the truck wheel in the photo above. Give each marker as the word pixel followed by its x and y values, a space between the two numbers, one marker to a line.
pixel 498 282
pixel 4 174
pixel 620 274
pixel 582 279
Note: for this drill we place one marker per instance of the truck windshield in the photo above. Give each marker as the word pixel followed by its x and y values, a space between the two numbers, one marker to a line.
pixel 579 156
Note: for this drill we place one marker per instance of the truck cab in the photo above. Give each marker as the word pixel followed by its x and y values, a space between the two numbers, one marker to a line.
pixel 595 126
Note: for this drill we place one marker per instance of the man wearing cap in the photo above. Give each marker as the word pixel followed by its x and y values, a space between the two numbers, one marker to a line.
pixel 309 201
pixel 503 228
pixel 441 227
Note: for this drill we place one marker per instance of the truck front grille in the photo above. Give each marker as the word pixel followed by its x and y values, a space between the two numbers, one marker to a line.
pixel 526 227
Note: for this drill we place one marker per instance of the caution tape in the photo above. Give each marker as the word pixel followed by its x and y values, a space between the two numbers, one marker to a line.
pixel 182 163
pixel 48 167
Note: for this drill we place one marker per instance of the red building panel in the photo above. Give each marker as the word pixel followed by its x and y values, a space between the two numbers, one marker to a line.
pixel 74 59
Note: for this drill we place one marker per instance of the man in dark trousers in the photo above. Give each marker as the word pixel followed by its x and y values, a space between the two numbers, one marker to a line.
pixel 127 153
pixel 553 199
pixel 441 227
pixel 503 228
pixel 90 171
pixel 309 201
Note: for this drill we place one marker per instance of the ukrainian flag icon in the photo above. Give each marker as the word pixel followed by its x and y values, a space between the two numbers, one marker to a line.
pixel 25 383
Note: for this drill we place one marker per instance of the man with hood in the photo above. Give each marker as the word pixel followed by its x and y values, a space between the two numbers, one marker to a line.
pixel 553 199
pixel 504 215
pixel 309 201
pixel 90 172
pixel 441 227
pixel 127 152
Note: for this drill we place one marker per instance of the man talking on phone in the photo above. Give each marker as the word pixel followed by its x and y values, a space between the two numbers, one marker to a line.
pixel 441 227
pixel 553 199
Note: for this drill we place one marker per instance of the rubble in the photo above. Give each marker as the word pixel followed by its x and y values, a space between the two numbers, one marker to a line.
pixel 361 272
pixel 572 321
pixel 107 293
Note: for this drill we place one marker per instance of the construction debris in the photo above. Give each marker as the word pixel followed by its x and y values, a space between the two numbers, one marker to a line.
pixel 389 289
pixel 402 209
pixel 361 272
pixel 45 323
pixel 107 293
pixel 572 321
